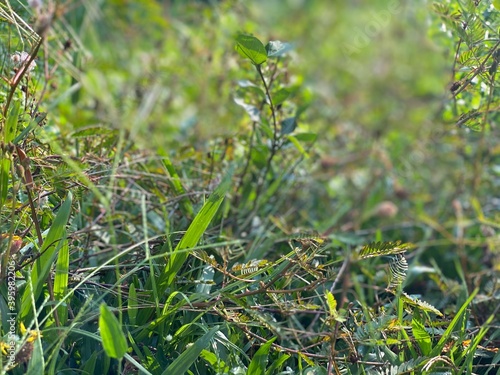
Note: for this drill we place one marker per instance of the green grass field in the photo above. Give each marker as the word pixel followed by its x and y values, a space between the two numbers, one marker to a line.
pixel 266 187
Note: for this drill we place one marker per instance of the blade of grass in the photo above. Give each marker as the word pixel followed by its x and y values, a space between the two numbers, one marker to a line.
pixel 185 360
pixel 471 352
pixel 447 334
pixel 4 178
pixel 260 359
pixel 113 338
pixel 194 233
pixel 11 123
pixel 61 281
pixel 132 304
pixel 52 243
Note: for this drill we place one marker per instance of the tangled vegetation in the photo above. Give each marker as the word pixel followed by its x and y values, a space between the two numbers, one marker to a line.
pixel 229 187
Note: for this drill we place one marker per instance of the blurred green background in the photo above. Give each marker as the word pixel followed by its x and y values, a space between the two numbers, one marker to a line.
pixel 374 75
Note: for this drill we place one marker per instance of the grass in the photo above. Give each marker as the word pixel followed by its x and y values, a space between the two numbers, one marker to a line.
pixel 182 192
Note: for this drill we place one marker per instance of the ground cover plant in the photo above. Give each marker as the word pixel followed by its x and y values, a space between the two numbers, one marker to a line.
pixel 230 187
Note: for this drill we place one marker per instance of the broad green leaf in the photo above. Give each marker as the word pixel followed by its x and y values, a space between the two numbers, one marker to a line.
pixel 288 125
pixel 61 281
pixel 260 359
pixel 185 360
pixel 275 48
pixel 276 365
pixel 421 335
pixel 252 48
pixel 217 364
pixel 113 338
pixel 11 123
pixel 306 137
pixel 194 232
pixel 41 268
pixel 4 178
pixel 280 96
pixel 496 4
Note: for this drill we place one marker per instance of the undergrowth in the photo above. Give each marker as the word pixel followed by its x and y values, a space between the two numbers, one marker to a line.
pixel 131 243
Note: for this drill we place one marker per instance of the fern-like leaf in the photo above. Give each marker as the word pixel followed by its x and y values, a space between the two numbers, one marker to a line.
pixel 422 305
pixel 381 248
pixel 250 267
pixel 466 56
pixel 398 267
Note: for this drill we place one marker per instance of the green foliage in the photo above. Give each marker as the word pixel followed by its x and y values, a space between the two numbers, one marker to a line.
pixel 194 232
pixel 113 339
pixel 54 241
pixel 235 187
pixel 252 48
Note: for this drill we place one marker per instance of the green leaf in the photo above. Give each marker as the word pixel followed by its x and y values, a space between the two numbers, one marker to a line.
pixel 113 338
pixel 280 96
pixel 194 232
pixel 4 178
pixel 89 367
pixel 415 302
pixel 275 48
pixel 41 268
pixel 251 48
pixel 132 304
pixel 217 364
pixel 306 137
pixel 447 334
pixel 260 359
pixel 376 249
pixel 332 304
pixel 421 335
pixel 276 365
pixel 288 125
pixel 11 123
pixel 496 4
pixel 294 140
pixel 61 281
pixel 185 360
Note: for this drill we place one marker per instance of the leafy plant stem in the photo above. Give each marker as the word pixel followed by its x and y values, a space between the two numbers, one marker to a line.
pixel 274 142
pixel 478 70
